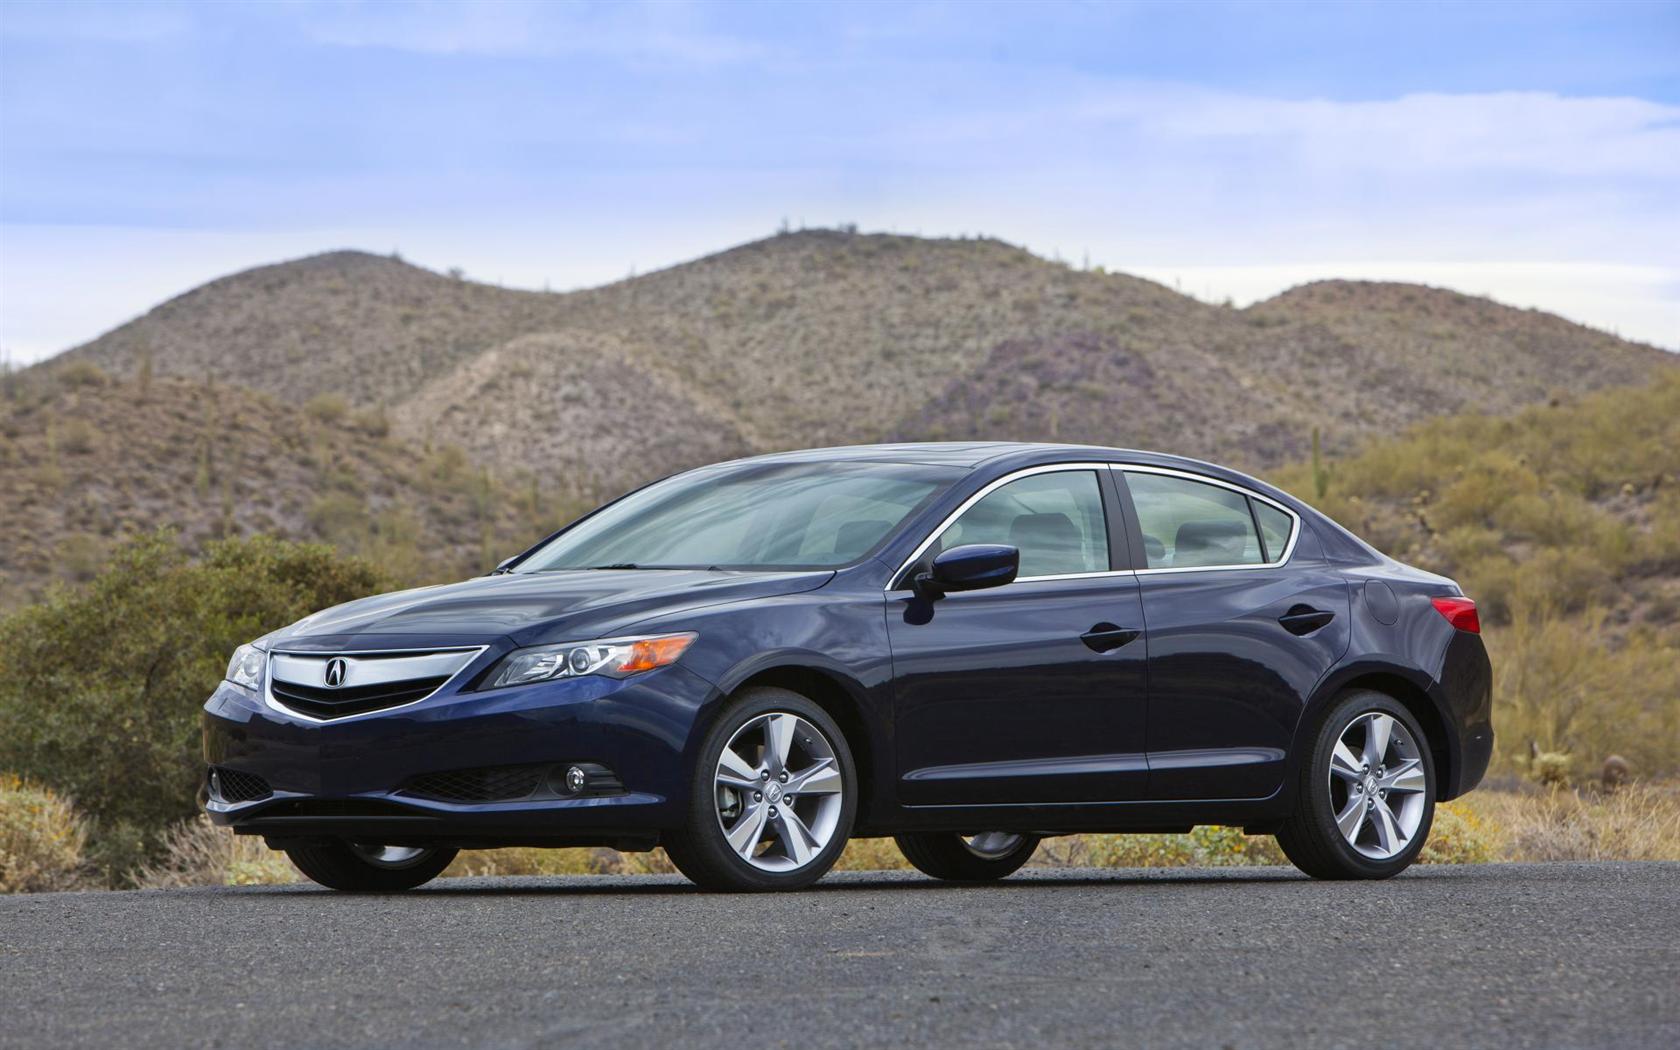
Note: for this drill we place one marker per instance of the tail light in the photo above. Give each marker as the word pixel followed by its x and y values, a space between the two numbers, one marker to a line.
pixel 1460 612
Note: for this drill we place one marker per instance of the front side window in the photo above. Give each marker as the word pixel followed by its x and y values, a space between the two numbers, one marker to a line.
pixel 1056 521
pixel 1191 524
pixel 749 516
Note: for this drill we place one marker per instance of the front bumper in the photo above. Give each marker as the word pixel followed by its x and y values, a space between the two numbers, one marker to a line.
pixel 352 778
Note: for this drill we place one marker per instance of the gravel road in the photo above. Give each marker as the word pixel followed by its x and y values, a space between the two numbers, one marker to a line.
pixel 1564 955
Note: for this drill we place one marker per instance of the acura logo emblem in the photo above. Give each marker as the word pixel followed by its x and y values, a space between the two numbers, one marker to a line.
pixel 334 675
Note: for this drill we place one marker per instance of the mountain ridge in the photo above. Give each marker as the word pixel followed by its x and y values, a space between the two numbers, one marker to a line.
pixel 834 337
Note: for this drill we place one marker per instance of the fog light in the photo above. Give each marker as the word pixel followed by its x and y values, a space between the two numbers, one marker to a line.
pixel 576 778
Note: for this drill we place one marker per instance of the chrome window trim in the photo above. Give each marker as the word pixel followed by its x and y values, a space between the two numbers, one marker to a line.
pixel 1024 472
pixel 473 651
pixel 1136 468
pixel 1288 548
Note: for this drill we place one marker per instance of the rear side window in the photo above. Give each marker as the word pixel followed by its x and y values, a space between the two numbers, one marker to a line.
pixel 1275 527
pixel 1190 524
pixel 1055 520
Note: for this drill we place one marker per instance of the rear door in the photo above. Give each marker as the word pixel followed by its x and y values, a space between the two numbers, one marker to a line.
pixel 1033 691
pixel 1244 618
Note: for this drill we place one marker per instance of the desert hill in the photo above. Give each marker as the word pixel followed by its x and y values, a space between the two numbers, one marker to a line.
pixel 86 461
pixel 824 337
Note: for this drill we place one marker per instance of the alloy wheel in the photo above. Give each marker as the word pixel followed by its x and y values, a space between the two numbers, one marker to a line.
pixel 389 856
pixel 992 845
pixel 778 791
pixel 1378 787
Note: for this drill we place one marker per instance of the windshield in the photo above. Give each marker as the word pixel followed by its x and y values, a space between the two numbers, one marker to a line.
pixel 763 516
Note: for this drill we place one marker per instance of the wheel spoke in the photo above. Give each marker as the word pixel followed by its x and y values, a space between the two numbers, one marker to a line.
pixel 1351 818
pixel 744 836
pixel 1389 835
pixel 795 835
pixel 1344 763
pixel 734 771
pixel 820 779
pixel 779 731
pixel 1407 777
pixel 1378 728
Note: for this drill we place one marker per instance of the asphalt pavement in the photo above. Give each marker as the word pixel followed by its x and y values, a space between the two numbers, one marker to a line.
pixel 1515 955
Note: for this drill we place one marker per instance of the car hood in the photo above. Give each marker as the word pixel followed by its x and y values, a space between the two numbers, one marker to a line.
pixel 529 608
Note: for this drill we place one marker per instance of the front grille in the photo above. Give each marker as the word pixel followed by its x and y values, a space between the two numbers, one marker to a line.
pixel 352 700
pixel 484 784
pixel 230 785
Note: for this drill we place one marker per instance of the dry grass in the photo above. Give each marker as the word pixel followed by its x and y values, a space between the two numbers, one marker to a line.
pixel 198 853
pixel 1635 822
pixel 41 839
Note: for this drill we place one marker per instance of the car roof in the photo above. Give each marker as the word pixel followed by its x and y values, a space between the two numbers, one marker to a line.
pixel 976 453
pixel 1003 456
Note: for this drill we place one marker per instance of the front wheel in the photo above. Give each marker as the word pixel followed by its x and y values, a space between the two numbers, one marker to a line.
pixel 773 797
pixel 985 857
pixel 363 868
pixel 1367 794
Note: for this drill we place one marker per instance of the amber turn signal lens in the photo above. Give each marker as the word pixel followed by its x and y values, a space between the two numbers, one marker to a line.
pixel 649 653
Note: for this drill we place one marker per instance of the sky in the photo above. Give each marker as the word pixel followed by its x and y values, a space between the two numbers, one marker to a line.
pixel 1526 151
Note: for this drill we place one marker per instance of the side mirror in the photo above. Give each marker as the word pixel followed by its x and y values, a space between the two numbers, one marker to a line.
pixel 501 568
pixel 971 567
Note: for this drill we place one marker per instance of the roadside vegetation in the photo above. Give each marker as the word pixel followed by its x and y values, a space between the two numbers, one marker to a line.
pixel 101 684
pixel 1563 522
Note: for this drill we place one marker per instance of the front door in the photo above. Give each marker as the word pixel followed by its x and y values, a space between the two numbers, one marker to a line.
pixel 1033 691
pixel 1244 619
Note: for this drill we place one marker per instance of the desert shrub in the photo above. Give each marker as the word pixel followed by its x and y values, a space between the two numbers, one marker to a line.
pixel 1459 836
pixel 871 855
pixel 41 838
pixel 1206 846
pixel 76 436
pixel 82 374
pixel 1567 685
pixel 529 861
pixel 327 408
pixel 195 852
pixel 374 422
pixel 101 685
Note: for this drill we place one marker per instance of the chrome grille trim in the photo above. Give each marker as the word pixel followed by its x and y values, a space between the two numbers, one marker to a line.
pixel 364 668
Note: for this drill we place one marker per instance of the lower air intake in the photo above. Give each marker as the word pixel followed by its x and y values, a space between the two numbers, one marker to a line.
pixel 230 785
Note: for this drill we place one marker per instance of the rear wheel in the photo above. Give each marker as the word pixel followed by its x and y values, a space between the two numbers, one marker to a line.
pixel 984 857
pixel 365 868
pixel 773 797
pixel 1367 793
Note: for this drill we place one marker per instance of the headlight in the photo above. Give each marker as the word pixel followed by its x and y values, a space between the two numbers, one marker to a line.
pixel 615 657
pixel 246 667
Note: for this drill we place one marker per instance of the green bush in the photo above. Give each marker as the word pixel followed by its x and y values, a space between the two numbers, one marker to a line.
pixel 101 685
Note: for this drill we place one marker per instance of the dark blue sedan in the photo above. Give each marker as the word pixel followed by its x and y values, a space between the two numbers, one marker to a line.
pixel 968 647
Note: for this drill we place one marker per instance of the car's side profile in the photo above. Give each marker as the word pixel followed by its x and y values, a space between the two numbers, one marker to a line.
pixel 968 647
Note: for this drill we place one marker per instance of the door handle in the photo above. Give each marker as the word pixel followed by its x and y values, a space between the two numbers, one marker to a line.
pixel 1304 619
pixel 1106 636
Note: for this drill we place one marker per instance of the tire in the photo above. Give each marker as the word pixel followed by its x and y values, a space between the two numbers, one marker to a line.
pixel 958 858
pixel 779 854
pixel 1365 844
pixel 356 868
